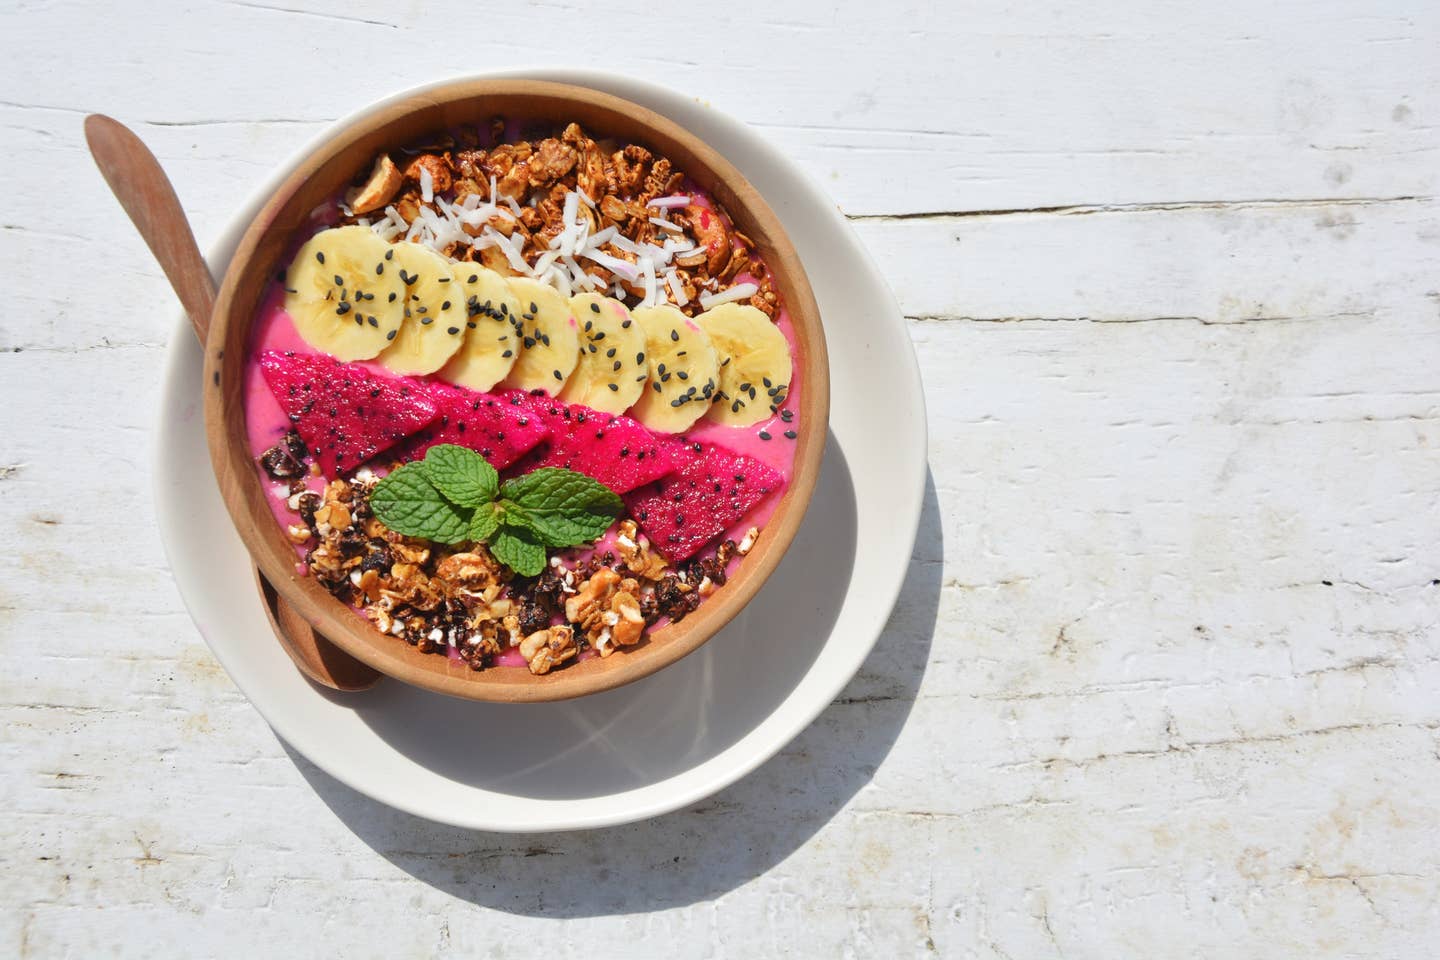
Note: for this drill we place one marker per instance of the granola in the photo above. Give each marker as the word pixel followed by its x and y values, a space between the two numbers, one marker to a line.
pixel 509 204
pixel 460 601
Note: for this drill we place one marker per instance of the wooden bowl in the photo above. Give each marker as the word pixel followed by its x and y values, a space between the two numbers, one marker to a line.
pixel 321 176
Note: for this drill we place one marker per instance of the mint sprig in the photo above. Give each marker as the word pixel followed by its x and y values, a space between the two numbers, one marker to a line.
pixel 454 496
pixel 562 506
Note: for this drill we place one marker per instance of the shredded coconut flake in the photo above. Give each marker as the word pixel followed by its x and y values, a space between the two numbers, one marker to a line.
pixel 677 289
pixel 741 291
pixel 677 200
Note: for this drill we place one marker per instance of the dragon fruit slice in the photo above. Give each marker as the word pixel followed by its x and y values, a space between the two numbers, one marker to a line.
pixel 344 413
pixel 614 449
pixel 502 428
pixel 711 490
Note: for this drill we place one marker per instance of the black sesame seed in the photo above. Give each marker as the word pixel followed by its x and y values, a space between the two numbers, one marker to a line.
pixel 319 256
pixel 624 324
pixel 600 335
pixel 674 335
pixel 764 435
pixel 617 364
pixel 508 353
pixel 529 342
pixel 339 281
pixel 682 375
pixel 660 368
pixel 588 325
pixel 426 320
pixel 766 381
pixel 343 309
pixel 656 385
pixel 389 254
pixel 391 298
pixel 445 305
pixel 453 330
pixel 379 268
pixel 470 324
pixel 373 322
pixel 558 377
pixel 614 387
pixel 610 353
pixel 594 308
pixel 390 335
pixel 790 434
pixel 534 307
pixel 639 358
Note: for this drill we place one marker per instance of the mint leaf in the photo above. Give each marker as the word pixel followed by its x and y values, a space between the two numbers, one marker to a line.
pixel 462 475
pixel 518 548
pixel 407 502
pixel 562 507
pixel 486 520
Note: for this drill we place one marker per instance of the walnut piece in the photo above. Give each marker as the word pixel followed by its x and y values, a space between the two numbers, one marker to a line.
pixel 377 191
pixel 635 552
pixel 548 648
pixel 607 609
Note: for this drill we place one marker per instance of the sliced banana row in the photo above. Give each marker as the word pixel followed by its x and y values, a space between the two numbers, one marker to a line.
pixel 357 297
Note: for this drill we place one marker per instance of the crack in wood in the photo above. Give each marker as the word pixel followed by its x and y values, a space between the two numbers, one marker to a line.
pixel 1161 206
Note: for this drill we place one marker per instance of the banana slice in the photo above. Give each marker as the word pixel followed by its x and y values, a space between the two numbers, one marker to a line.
pixel 754 364
pixel 612 372
pixel 549 338
pixel 344 294
pixel 491 344
pixel 434 325
pixel 684 370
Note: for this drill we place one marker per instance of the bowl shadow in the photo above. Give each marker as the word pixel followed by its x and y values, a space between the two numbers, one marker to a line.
pixel 705 850
pixel 660 725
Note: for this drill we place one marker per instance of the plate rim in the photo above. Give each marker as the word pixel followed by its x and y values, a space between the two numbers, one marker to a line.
pixel 725 767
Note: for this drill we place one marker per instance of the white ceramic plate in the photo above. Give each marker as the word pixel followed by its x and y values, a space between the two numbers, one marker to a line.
pixel 676 736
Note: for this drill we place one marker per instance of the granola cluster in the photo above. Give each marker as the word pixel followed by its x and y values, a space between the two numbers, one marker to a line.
pixel 532 179
pixel 440 598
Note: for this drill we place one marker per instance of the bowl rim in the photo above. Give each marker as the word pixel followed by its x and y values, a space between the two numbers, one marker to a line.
pixel 247 502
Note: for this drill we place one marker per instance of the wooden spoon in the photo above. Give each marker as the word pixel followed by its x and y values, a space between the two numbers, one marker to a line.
pixel 139 183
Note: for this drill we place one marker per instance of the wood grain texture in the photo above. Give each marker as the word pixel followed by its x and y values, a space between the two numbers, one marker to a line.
pixel 1174 276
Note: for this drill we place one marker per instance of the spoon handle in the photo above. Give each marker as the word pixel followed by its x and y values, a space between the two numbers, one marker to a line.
pixel 139 183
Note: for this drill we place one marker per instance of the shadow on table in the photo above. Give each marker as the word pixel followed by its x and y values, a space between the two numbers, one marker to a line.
pixel 705 850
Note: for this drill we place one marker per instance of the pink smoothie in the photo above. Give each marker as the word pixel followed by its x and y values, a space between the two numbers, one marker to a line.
pixel 266 424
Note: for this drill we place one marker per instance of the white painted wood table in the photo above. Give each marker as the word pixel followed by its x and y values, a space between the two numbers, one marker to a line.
pixel 1165 681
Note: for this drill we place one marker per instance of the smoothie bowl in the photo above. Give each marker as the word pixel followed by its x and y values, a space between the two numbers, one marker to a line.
pixel 516 391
